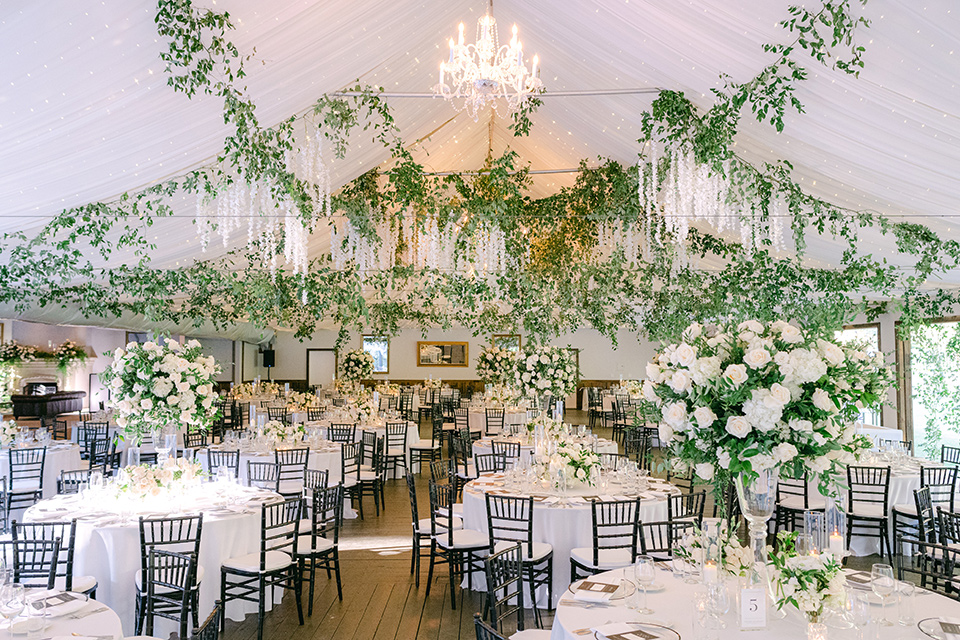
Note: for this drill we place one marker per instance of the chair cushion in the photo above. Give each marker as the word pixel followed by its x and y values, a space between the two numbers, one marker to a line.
pixel 868 510
pixel 465 539
pixel 304 544
pixel 906 509
pixel 349 481
pixel 609 558
pixel 137 578
pixel 81 583
pixel 291 487
pixel 367 476
pixel 814 502
pixel 423 526
pixel 396 452
pixel 251 562
pixel 425 445
pixel 540 549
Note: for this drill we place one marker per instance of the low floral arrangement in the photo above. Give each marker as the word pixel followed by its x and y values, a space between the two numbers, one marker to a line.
pixel 158 385
pixel 735 559
pixel 254 391
pixel 503 395
pixel 153 480
pixel 546 370
pixel 633 387
pixel 299 402
pixel 574 460
pixel 811 583
pixel 550 427
pixel 14 353
pixel 433 383
pixel 68 354
pixel 496 365
pixel 9 430
pixel 365 409
pixel 282 432
pixel 387 389
pixel 748 397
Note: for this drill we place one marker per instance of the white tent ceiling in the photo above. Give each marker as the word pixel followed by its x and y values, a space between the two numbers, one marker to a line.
pixel 85 113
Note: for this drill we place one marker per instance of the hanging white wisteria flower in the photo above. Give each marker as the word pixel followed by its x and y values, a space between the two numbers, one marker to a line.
pixel 496 365
pixel 543 370
pixel 751 396
pixel 357 365
pixel 156 385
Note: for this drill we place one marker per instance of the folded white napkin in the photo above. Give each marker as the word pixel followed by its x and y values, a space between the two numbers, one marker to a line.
pixel 591 590
pixel 60 603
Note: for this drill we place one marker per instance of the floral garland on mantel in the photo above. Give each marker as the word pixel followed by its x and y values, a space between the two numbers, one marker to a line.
pixel 615 254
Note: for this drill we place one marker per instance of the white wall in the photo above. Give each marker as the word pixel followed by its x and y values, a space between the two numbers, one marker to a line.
pixel 598 359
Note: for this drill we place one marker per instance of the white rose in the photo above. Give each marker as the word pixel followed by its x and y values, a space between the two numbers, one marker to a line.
pixel 705 470
pixel 680 381
pixel 666 432
pixel 736 374
pixel 756 358
pixel 684 355
pixel 116 383
pixel 822 400
pixel 649 391
pixel 784 452
pixel 738 426
pixel 173 400
pixel 675 414
pixel 750 325
pixel 692 332
pixel 830 352
pixel 146 404
pixel 790 334
pixel 723 458
pixel 654 372
pixel 779 393
pixel 704 416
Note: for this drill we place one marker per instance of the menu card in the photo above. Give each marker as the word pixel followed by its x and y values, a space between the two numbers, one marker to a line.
pixel 595 591
pixel 623 631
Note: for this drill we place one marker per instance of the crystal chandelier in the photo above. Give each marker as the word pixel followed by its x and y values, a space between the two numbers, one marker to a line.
pixel 484 72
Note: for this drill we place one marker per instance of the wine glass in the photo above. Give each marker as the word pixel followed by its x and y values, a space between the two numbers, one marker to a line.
pixel 11 603
pixel 644 573
pixel 719 602
pixel 883 585
pixel 859 611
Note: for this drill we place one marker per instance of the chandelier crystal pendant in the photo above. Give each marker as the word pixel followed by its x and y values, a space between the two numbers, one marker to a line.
pixel 486 73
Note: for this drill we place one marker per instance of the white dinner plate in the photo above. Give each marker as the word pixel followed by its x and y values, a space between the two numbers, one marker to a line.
pixel 656 630
pixel 625 590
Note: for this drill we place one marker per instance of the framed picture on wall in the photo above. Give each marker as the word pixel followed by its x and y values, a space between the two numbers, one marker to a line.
pixel 379 348
pixel 507 341
pixel 442 354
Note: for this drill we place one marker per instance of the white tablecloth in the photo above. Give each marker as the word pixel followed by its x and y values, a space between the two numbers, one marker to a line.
pixel 324 457
pixel 878 434
pixel 110 550
pixel 478 418
pixel 484 446
pixel 565 526
pixel 62 456
pixel 103 623
pixel 673 606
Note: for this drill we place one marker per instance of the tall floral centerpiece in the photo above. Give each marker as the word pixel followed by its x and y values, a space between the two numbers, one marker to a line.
pixel 748 400
pixel 155 386
pixel 546 371
pixel 496 365
pixel 357 365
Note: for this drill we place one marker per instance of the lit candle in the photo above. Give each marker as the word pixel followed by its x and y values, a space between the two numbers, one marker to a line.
pixel 451 50
pixel 710 573
pixel 836 543
pixel 461 34
pixel 536 61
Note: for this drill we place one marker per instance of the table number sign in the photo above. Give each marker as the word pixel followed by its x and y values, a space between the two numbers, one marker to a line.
pixel 753 608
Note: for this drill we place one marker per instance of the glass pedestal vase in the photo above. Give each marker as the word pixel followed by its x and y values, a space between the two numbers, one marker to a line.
pixel 758 498
pixel 816 630
pixel 133 455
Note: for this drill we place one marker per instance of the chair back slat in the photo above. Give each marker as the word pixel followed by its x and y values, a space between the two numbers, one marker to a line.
pixel 942 482
pixel 616 525
pixel 223 458
pixel 868 487
pixel 504 574
pixel 510 519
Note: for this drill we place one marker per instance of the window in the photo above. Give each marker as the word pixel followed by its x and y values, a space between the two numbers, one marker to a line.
pixel 867 337
pixel 379 348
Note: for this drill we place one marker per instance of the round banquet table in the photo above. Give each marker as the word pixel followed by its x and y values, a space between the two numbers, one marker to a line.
pixel 324 456
pixel 565 523
pixel 484 446
pixel 478 418
pixel 673 607
pixel 105 623
pixel 413 437
pixel 61 456
pixel 109 549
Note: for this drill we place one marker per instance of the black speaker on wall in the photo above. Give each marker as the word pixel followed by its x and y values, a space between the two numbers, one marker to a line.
pixel 269 358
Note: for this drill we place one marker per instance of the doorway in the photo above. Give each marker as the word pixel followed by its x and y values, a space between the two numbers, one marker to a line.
pixel 321 367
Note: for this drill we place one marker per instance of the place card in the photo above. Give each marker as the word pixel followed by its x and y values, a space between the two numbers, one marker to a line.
pixel 950 628
pixel 623 631
pixel 859 578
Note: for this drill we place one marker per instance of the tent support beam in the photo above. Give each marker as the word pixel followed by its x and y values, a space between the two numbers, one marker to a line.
pixel 551 94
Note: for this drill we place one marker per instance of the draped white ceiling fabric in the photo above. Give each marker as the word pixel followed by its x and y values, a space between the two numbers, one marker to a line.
pixel 85 112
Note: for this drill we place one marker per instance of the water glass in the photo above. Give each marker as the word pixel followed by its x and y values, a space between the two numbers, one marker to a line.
pixel 96 480
pixel 905 598
pixel 644 572
pixel 36 613
pixel 883 585
pixel 11 602
pixel 702 620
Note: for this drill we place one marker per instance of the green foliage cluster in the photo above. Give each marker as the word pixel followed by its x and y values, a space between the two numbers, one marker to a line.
pixel 556 285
